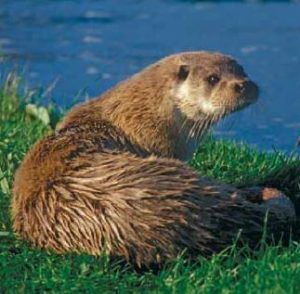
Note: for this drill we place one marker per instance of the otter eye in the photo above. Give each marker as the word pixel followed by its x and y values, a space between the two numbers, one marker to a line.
pixel 213 80
pixel 183 72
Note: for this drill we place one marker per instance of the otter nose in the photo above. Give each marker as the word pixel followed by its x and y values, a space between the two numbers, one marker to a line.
pixel 246 85
pixel 240 87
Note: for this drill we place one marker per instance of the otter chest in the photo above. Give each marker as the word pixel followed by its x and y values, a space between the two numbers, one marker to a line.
pixel 186 148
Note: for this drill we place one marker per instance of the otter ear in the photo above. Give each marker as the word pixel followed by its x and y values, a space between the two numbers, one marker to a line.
pixel 183 72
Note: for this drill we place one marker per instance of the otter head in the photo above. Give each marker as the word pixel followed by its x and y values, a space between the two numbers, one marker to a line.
pixel 210 85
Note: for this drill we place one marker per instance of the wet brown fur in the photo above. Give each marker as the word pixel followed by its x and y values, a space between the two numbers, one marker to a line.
pixel 109 179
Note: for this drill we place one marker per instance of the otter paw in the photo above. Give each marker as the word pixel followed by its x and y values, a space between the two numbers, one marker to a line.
pixel 274 198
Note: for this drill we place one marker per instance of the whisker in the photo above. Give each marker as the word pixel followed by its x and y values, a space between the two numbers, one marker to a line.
pixel 201 126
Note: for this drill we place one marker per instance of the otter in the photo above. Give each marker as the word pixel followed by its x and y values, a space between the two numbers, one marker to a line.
pixel 112 177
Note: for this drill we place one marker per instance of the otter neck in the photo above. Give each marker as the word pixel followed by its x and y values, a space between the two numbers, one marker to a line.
pixel 154 123
pixel 189 134
pixel 147 127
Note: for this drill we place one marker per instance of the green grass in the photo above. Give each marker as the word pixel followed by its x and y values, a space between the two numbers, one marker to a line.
pixel 27 270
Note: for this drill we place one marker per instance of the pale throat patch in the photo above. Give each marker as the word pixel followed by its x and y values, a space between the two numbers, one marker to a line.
pixel 191 100
pixel 189 105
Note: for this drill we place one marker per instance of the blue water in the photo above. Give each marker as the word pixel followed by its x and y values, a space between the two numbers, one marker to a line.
pixel 87 46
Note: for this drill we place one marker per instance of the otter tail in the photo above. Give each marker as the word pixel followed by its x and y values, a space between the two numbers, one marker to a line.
pixel 145 210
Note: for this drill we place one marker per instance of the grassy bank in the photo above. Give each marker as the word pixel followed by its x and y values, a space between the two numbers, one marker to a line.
pixel 26 270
